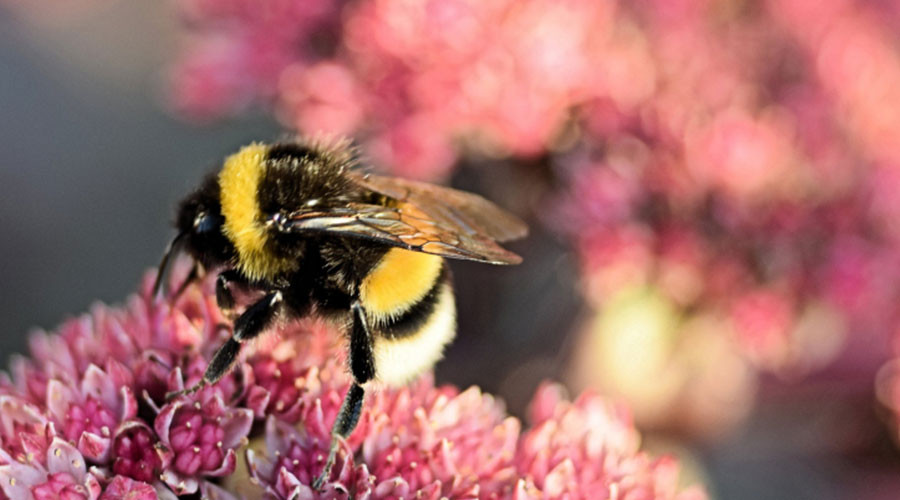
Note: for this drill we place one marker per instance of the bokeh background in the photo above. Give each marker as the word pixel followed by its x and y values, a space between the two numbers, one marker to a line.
pixel 711 186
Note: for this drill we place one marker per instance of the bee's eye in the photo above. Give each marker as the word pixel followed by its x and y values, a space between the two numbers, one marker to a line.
pixel 205 222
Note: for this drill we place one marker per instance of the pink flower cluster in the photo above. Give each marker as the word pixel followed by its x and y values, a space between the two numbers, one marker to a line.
pixel 85 417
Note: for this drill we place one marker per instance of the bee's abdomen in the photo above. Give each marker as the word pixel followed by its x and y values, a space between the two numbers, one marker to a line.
pixel 414 342
pixel 409 301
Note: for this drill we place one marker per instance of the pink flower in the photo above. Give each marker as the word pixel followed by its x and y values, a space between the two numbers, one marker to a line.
pixel 589 449
pixel 90 438
pixel 278 388
pixel 138 454
pixel 201 432
pixel 89 415
pixel 59 474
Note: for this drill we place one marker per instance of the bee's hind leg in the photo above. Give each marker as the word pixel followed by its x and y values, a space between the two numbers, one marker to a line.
pixel 362 367
pixel 255 320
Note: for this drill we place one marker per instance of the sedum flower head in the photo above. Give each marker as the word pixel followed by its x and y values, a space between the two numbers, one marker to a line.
pixel 85 417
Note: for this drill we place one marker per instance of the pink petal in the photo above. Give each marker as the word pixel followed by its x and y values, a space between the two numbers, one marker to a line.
pixel 15 410
pixel 59 397
pixel 237 426
pixel 260 468
pixel 176 380
pixel 560 478
pixel 292 487
pixel 63 457
pixel 210 491
pixel 17 479
pixel 364 485
pixel 94 447
pixel 393 487
pixel 98 384
pixel 164 493
pixel 258 400
pixel 429 492
pixel 163 422
pixel 227 467
pixel 129 404
pixel 124 488
pixel 180 485
pixel 92 484
pixel 119 374
pixel 546 400
pixel 36 445
pixel 279 434
pixel 526 491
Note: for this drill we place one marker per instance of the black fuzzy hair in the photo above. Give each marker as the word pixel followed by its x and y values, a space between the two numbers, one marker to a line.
pixel 298 172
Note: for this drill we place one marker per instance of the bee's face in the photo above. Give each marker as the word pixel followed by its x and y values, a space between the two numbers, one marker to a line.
pixel 200 220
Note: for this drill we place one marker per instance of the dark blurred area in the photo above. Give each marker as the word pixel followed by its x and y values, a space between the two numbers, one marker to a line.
pixel 92 164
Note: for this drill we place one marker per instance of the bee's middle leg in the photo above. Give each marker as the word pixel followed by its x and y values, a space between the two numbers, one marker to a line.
pixel 362 367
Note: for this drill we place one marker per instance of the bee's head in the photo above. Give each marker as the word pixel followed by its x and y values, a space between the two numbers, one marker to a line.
pixel 199 222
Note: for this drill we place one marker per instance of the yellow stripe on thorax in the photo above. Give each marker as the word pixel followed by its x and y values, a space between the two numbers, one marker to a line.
pixel 398 282
pixel 238 184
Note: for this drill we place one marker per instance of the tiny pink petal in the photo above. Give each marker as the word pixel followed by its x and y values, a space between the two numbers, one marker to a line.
pixel 123 488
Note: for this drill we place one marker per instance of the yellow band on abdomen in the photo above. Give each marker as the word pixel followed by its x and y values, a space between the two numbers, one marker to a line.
pixel 398 282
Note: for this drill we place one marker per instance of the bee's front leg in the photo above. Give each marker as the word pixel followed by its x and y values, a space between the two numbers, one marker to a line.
pixel 362 367
pixel 225 284
pixel 255 320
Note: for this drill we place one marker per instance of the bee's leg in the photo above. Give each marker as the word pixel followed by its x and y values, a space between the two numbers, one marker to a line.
pixel 225 283
pixel 362 359
pixel 255 320
pixel 362 367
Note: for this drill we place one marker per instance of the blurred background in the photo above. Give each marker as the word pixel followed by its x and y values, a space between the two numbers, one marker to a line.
pixel 711 186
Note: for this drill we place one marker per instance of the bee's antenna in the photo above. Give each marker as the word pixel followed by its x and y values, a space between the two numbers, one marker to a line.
pixel 172 249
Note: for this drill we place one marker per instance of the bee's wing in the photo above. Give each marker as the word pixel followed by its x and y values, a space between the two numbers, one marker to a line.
pixel 462 211
pixel 416 220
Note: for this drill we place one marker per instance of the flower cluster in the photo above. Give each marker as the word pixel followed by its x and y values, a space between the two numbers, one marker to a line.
pixel 737 159
pixel 85 417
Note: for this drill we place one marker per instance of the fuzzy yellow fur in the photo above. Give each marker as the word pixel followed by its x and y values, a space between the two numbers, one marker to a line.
pixel 238 183
pixel 398 282
pixel 398 361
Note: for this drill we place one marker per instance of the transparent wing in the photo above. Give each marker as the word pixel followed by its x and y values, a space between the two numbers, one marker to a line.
pixel 418 217
pixel 459 210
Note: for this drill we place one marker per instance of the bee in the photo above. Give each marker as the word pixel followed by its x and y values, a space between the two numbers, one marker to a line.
pixel 299 223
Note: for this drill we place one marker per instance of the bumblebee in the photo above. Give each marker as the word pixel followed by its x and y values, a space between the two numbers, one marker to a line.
pixel 300 224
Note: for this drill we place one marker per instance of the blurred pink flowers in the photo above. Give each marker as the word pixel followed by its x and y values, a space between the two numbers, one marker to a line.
pixel 412 77
pixel 72 430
